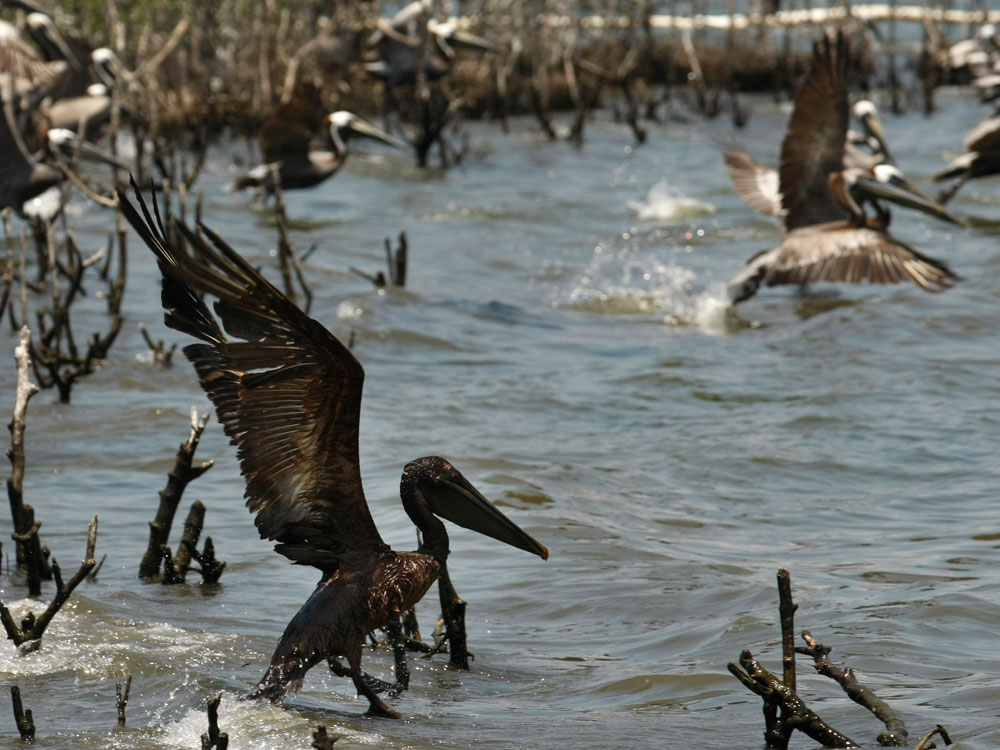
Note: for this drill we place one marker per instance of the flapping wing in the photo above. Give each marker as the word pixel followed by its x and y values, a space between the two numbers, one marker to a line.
pixel 843 252
pixel 985 136
pixel 756 184
pixel 288 394
pixel 814 144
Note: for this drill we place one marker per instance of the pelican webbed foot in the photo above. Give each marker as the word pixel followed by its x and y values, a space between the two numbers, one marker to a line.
pixel 373 684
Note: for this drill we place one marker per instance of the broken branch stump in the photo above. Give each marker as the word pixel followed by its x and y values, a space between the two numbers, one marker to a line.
pixel 896 733
pixel 30 558
pixel 214 738
pixel 322 740
pixel 170 496
pixel 24 720
pixel 30 633
pixel 794 714
pixel 122 699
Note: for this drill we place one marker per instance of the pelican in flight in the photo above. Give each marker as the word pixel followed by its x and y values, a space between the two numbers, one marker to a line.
pixel 758 185
pixel 823 204
pixel 288 394
pixel 300 165
pixel 400 46
pixel 981 157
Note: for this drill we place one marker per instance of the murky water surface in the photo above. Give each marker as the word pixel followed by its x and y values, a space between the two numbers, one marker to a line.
pixel 564 340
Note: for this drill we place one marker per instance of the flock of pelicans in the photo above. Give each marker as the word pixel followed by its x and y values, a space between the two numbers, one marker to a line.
pixel 288 392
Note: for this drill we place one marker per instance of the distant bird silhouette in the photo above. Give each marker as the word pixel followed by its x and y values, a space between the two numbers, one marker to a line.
pixel 300 165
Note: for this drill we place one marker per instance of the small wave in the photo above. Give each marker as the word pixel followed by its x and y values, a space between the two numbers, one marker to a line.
pixel 665 203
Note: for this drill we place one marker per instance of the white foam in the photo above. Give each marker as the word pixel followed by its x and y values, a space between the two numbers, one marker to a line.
pixel 665 203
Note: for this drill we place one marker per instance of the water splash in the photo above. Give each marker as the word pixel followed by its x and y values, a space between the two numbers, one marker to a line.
pixel 252 725
pixel 633 281
pixel 665 203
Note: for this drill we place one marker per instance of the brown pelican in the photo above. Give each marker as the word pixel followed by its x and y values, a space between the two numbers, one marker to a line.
pixel 981 157
pixel 92 109
pixel 289 396
pixel 758 185
pixel 23 70
pixel 830 238
pixel 400 45
pixel 300 165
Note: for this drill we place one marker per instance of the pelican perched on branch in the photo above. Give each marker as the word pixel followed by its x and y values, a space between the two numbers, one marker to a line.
pixel 300 165
pixel 288 394
pixel 823 204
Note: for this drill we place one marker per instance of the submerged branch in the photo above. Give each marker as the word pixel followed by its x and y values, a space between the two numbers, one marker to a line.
pixel 896 733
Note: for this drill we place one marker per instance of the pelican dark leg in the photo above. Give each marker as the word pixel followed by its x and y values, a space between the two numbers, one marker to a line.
pixel 453 612
pixel 365 684
pixel 394 630
pixel 947 195
pixel 373 683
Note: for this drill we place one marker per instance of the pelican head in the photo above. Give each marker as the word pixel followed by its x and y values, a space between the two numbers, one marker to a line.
pixel 867 114
pixel 68 144
pixel 40 26
pixel 452 497
pixel 343 125
pixel 106 65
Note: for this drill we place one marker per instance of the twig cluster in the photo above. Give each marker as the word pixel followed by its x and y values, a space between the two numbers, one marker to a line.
pixel 784 710
pixel 158 554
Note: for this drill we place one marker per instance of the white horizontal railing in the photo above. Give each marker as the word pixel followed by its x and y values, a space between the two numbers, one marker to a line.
pixel 869 12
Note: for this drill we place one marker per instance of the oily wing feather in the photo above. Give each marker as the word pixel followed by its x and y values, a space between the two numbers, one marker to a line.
pixel 813 146
pixel 842 252
pixel 288 395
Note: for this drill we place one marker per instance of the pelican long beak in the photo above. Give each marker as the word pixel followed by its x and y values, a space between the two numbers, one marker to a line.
pixel 68 144
pixel 42 24
pixel 456 500
pixel 472 41
pixel 874 131
pixel 365 129
pixel 902 192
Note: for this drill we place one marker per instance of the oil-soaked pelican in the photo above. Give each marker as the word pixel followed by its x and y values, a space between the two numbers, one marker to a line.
pixel 981 157
pixel 289 397
pixel 830 238
pixel 301 166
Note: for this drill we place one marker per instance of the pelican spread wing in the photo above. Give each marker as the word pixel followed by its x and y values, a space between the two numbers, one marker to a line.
pixel 288 394
pixel 813 147
pixel 842 252
pixel 756 184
